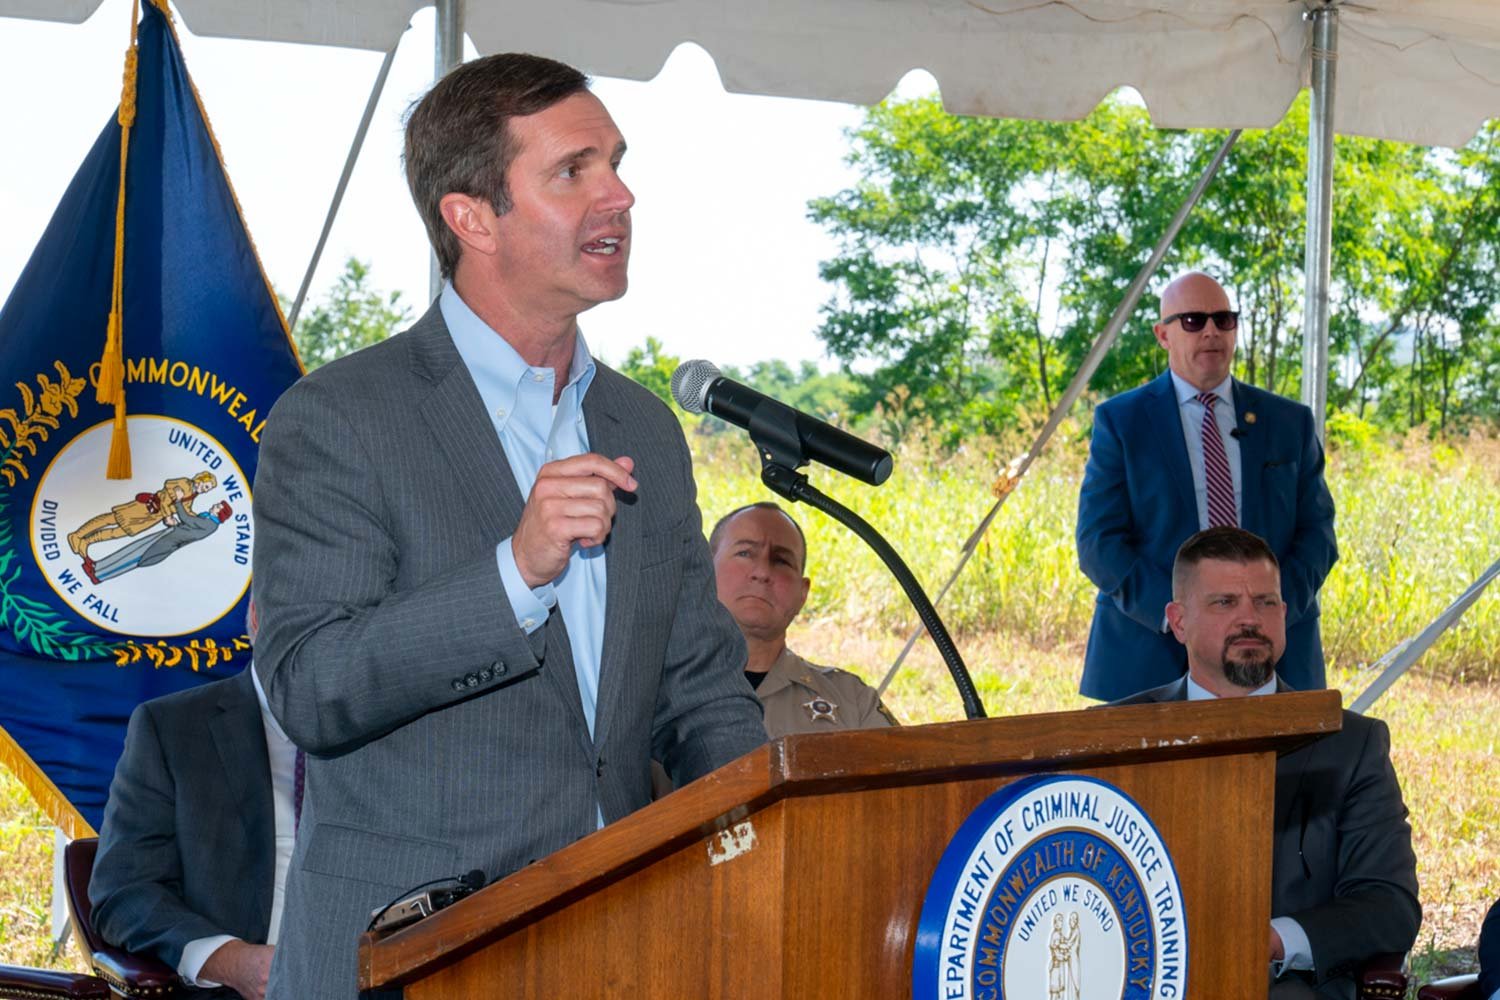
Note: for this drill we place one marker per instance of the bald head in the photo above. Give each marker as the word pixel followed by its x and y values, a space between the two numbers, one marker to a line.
pixel 1202 356
pixel 1193 292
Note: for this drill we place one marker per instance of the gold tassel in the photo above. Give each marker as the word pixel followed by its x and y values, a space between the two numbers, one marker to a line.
pixel 111 387
pixel 119 443
pixel 112 365
pixel 126 114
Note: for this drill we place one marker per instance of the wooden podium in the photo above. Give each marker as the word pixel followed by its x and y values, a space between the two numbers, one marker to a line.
pixel 799 870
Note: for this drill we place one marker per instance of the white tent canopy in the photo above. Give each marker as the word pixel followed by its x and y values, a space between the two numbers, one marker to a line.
pixel 1423 71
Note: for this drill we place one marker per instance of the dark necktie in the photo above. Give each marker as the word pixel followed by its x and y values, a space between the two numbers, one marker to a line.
pixel 299 781
pixel 1221 512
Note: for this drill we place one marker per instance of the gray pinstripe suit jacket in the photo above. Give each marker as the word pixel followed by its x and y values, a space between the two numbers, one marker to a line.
pixel 443 738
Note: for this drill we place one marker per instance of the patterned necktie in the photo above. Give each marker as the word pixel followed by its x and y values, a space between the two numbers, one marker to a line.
pixel 299 781
pixel 1216 475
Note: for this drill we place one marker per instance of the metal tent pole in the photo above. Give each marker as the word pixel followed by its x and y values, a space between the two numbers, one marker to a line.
pixel 448 51
pixel 1399 660
pixel 1324 16
pixel 1102 344
pixel 338 192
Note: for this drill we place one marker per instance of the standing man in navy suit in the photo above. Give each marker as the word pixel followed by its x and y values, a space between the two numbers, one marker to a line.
pixel 1154 478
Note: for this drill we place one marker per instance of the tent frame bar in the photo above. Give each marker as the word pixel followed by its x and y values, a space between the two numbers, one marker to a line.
pixel 448 53
pixel 1317 262
pixel 338 192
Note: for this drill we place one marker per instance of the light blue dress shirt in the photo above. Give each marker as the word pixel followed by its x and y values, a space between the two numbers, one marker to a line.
pixel 1191 412
pixel 533 431
pixel 1294 943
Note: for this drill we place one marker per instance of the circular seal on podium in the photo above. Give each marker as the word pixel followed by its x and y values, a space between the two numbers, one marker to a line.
pixel 1054 888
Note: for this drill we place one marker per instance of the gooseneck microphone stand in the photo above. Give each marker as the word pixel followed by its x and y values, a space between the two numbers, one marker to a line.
pixel 780 455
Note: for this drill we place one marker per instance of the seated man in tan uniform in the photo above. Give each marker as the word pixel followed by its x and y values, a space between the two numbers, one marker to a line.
pixel 760 555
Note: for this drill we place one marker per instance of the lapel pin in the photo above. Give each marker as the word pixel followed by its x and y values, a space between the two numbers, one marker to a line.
pixel 1250 417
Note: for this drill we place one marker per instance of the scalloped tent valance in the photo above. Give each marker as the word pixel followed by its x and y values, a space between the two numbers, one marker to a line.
pixel 1422 71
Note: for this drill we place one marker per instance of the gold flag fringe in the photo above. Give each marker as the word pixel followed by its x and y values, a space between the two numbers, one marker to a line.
pixel 52 802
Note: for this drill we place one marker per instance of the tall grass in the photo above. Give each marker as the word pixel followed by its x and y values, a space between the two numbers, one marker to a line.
pixel 26 882
pixel 1417 523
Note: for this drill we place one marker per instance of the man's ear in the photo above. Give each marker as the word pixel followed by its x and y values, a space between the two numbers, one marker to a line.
pixel 806 589
pixel 472 220
pixel 1161 333
pixel 1174 621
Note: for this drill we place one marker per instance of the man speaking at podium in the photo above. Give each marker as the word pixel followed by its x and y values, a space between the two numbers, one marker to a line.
pixel 488 602
pixel 1343 875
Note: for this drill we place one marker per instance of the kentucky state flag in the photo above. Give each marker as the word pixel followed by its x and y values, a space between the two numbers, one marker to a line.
pixel 113 591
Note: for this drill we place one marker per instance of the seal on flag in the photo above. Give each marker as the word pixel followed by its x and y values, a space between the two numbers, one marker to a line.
pixel 179 525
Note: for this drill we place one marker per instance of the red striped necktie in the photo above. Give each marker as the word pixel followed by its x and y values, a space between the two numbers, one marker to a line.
pixel 1216 475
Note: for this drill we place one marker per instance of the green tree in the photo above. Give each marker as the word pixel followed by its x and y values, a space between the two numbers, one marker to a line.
pixel 980 259
pixel 351 316
pixel 828 396
pixel 1428 358
pixel 652 367
pixel 938 245
pixel 959 234
pixel 1124 181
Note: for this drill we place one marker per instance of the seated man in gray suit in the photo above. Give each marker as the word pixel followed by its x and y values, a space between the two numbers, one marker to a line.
pixel 1343 875
pixel 198 835
pixel 487 600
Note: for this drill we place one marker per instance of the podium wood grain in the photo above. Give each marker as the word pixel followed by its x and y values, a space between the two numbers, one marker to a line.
pixel 847 831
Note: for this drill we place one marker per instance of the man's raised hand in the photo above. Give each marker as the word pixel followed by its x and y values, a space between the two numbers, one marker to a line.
pixel 573 500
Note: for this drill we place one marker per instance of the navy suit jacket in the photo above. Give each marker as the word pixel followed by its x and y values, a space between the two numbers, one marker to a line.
pixel 1137 505
pixel 188 846
pixel 1342 863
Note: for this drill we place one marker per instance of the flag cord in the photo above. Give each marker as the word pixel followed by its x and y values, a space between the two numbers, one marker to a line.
pixel 111 385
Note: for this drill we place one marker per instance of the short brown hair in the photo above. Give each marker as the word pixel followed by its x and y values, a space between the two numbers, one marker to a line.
pixel 1223 544
pixel 716 536
pixel 458 137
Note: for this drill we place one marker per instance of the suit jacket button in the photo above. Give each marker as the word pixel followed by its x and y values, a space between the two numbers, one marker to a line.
pixel 472 680
pixel 599 770
pixel 486 674
pixel 498 668
pixel 458 685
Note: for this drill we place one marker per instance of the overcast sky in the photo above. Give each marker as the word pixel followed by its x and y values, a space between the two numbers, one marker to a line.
pixel 724 264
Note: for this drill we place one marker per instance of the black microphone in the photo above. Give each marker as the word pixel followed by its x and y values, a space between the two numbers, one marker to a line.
pixel 784 435
pixel 1237 433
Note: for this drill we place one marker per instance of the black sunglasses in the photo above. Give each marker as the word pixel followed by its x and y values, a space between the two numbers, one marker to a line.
pixel 1194 322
